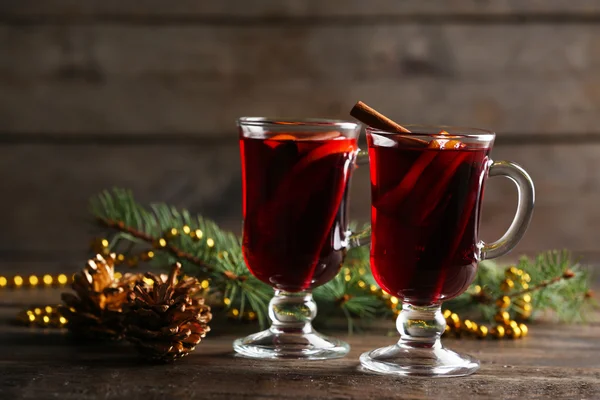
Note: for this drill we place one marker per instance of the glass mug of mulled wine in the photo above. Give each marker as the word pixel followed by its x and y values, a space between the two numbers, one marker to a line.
pixel 426 194
pixel 296 175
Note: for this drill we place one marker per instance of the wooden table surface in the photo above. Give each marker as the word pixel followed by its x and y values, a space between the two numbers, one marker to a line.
pixel 555 361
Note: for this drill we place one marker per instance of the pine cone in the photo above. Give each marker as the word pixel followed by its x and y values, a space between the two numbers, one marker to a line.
pixel 163 320
pixel 96 311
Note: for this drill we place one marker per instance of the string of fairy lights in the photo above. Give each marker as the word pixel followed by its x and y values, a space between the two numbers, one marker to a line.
pixel 505 327
pixel 49 316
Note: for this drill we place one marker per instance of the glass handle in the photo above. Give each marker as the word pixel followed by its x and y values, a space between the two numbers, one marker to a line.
pixel 520 223
pixel 363 237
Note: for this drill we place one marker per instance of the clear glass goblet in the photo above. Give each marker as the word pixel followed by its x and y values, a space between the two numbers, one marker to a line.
pixel 296 175
pixel 426 193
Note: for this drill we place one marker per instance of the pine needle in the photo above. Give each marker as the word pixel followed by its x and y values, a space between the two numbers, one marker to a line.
pixel 352 294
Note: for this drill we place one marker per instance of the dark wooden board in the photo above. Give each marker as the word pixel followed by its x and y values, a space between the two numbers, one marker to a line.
pixel 344 53
pixel 553 362
pixel 69 9
pixel 210 109
pixel 144 94
pixel 196 80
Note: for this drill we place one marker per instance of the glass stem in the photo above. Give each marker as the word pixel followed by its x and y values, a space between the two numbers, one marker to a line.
pixel 292 312
pixel 420 326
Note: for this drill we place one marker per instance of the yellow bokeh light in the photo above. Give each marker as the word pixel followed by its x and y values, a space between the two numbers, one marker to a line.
pixel 33 280
pixel 118 275
pixel 148 281
pixel 205 284
pixel 162 242
pixel 47 279
pixel 186 229
pixel 235 312
pixel 46 319
pixel 104 243
pixel 3 281
pixel 62 320
pixel 394 300
pixel 18 280
pixel 37 311
pixel 226 301
pixel 48 309
pixel 62 279
pixel 31 317
pixel 524 329
pixel 198 234
pixel 210 242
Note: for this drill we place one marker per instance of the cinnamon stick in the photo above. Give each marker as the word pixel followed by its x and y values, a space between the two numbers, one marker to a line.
pixel 371 117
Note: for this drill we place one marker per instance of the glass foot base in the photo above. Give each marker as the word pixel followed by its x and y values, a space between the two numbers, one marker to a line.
pixel 307 346
pixel 404 360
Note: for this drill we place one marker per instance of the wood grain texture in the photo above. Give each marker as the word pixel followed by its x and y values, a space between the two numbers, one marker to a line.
pixel 210 109
pixel 553 362
pixel 144 94
pixel 277 9
pixel 196 80
pixel 48 199
pixel 46 202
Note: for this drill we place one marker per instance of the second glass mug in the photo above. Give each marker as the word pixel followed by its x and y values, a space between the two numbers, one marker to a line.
pixel 409 230
pixel 426 194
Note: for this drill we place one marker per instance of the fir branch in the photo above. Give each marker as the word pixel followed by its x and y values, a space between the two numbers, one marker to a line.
pixel 556 284
pixel 568 274
pixel 180 254
pixel 566 296
pixel 221 263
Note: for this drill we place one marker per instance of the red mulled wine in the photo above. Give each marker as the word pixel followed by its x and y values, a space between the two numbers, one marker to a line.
pixel 295 189
pixel 425 215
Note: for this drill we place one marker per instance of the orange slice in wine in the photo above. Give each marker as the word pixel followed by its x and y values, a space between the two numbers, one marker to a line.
pixel 282 136
pixel 396 196
pixel 333 147
pixel 304 136
pixel 446 144
pixel 301 175
pixel 274 141
pixel 434 193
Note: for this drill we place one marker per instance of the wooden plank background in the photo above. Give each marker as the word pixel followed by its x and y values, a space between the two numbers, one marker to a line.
pixel 144 95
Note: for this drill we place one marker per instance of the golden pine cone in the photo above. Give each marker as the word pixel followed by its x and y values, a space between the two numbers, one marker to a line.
pixel 95 310
pixel 163 320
